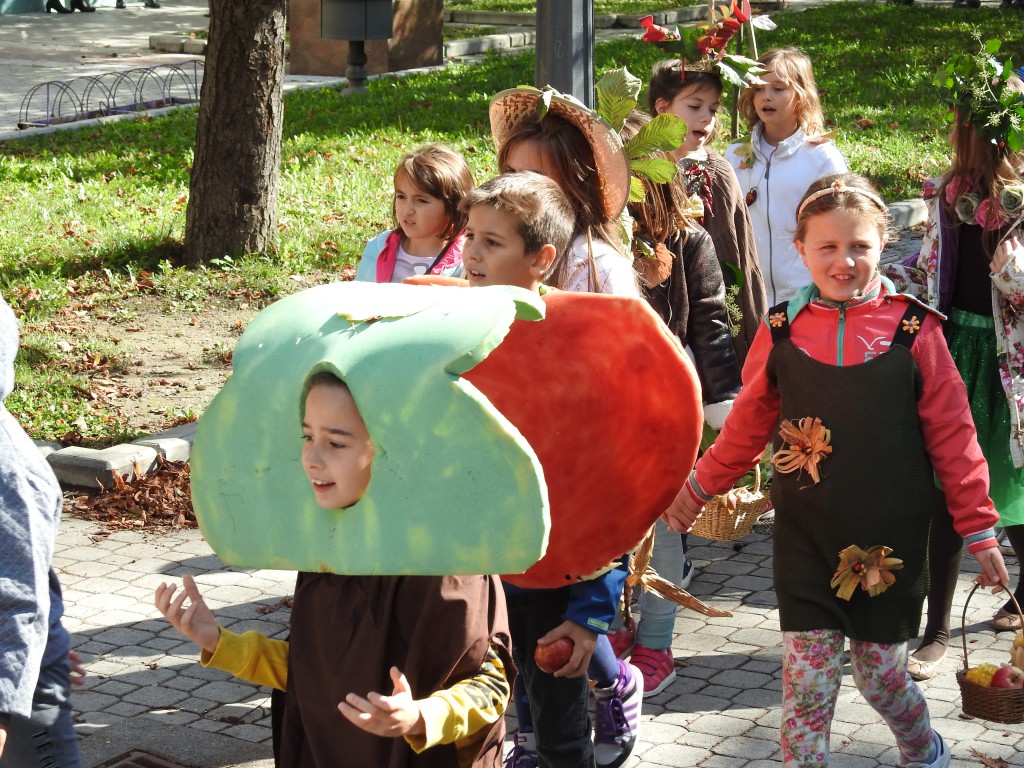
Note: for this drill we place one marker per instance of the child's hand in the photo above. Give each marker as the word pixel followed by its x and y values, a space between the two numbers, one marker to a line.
pixel 396 715
pixel 1011 250
pixel 584 641
pixel 682 512
pixel 993 569
pixel 78 672
pixel 195 622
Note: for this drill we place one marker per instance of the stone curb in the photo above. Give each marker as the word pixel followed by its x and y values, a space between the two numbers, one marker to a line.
pixel 177 44
pixel 79 467
pixel 601 21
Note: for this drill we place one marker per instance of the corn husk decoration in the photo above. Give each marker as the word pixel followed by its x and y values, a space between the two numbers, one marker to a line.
pixel 807 444
pixel 871 569
pixel 641 574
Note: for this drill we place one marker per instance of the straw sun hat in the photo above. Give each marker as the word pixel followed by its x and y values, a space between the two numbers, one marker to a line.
pixel 511 106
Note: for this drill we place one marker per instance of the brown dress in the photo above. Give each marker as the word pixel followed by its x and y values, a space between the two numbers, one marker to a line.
pixel 346 634
pixel 726 220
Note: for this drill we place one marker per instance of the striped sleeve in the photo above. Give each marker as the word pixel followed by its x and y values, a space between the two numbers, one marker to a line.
pixel 455 714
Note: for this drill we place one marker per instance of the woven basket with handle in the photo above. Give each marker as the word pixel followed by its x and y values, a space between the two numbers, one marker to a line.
pixel 999 705
pixel 732 515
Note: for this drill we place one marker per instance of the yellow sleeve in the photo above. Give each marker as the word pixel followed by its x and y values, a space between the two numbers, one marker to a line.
pixel 454 715
pixel 252 656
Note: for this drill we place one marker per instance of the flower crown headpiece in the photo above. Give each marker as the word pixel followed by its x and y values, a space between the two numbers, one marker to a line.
pixel 703 48
pixel 978 85
pixel 840 186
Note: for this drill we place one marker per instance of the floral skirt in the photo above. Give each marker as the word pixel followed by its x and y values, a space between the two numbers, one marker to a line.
pixel 972 343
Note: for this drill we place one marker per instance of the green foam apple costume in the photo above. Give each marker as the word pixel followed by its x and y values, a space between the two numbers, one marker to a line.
pixel 455 488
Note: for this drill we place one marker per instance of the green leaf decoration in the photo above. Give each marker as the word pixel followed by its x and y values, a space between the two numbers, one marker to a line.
pixel 617 94
pixel 733 274
pixel 455 488
pixel 657 169
pixel 992 46
pixel 665 132
pixel 636 190
pixel 544 103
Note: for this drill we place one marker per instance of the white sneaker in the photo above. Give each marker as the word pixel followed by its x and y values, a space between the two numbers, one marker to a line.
pixel 942 755
pixel 688 570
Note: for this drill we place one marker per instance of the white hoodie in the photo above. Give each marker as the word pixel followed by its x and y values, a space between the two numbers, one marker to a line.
pixel 780 182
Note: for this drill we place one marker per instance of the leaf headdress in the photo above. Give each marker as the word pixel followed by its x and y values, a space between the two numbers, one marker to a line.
pixel 986 94
pixel 703 48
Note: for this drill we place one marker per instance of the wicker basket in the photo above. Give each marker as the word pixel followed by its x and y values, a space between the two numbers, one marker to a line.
pixel 720 523
pixel 999 705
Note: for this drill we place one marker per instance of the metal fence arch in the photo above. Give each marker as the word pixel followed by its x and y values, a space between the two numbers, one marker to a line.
pixel 111 93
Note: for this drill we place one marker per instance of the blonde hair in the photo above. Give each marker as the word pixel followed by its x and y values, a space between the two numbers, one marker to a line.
pixel 794 67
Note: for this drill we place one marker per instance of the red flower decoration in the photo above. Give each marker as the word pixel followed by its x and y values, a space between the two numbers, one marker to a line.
pixel 654 33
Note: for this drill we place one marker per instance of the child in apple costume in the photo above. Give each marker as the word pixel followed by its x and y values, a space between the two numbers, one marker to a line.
pixel 456 488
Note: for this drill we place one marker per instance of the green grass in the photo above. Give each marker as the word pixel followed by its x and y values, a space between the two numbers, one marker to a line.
pixel 91 215
pixel 600 6
pixel 466 31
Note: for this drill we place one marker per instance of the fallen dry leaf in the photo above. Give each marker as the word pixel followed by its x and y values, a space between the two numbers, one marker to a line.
pixel 989 762
pixel 160 499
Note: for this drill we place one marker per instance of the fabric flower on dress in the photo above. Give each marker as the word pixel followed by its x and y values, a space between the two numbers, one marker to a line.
pixel 871 569
pixel 1011 199
pixel 956 186
pixel 988 216
pixel 807 444
pixel 966 207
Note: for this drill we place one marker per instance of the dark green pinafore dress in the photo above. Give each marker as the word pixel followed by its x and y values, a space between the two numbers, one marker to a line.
pixel 876 488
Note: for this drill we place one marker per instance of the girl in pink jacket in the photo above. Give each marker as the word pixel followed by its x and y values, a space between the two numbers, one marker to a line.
pixel 856 385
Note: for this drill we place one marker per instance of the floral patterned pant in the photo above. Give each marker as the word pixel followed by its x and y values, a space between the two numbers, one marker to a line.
pixel 812 670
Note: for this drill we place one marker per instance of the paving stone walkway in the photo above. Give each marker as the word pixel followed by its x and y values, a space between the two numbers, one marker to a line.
pixel 146 690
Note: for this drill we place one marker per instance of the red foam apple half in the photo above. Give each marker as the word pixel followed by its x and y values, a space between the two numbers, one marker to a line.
pixel 611 405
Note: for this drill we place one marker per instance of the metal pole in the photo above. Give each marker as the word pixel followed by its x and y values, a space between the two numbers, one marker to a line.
pixel 565 47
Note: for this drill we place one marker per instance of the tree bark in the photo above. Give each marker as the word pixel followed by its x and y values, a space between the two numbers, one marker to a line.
pixel 236 173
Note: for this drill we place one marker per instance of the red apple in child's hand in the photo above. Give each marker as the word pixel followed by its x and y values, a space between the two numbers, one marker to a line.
pixel 1008 677
pixel 555 655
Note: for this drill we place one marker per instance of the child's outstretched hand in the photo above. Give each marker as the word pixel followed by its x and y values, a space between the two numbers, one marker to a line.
pixel 993 569
pixel 682 512
pixel 195 622
pixel 396 715
pixel 1011 251
pixel 584 642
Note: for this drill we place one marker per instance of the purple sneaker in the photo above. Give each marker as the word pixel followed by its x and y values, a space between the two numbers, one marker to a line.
pixel 523 753
pixel 618 717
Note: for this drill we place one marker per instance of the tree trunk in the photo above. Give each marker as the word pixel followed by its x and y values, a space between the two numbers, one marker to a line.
pixel 236 174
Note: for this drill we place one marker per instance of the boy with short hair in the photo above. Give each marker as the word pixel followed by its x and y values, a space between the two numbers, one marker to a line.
pixel 518 223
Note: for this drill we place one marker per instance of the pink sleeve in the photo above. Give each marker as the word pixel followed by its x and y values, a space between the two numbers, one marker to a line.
pixel 748 428
pixel 952 441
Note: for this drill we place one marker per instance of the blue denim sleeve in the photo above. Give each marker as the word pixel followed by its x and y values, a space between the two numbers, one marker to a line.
pixel 593 603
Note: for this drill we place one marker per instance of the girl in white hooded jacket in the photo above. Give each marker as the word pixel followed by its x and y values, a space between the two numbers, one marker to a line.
pixel 784 154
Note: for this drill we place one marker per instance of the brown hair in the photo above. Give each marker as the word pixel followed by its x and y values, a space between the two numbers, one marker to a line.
pixel 793 66
pixel 543 213
pixel 570 153
pixel 660 214
pixel 853 193
pixel 977 158
pixel 669 79
pixel 442 173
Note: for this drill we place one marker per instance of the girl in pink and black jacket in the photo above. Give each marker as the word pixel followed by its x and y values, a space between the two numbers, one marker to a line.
pixel 427 239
